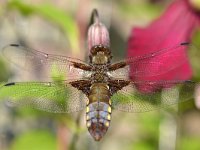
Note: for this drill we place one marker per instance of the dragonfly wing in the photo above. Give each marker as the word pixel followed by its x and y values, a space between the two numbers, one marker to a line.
pixel 120 73
pixel 131 100
pixel 157 61
pixel 35 61
pixel 46 96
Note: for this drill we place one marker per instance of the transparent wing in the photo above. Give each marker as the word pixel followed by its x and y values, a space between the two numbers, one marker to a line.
pixel 160 62
pixel 120 73
pixel 35 61
pixel 131 100
pixel 46 96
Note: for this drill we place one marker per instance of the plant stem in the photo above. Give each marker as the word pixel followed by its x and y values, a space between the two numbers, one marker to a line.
pixel 62 137
pixel 76 135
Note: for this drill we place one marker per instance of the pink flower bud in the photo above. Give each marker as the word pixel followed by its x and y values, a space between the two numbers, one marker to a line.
pixel 97 33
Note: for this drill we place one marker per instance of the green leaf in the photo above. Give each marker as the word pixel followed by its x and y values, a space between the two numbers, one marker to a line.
pixel 140 10
pixel 143 146
pixel 189 143
pixel 35 140
pixel 149 123
pixel 55 15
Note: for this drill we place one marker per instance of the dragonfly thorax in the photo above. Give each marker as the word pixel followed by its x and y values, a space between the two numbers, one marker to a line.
pixel 100 55
pixel 100 74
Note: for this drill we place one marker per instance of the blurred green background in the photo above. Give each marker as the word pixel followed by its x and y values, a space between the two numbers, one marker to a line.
pixel 60 27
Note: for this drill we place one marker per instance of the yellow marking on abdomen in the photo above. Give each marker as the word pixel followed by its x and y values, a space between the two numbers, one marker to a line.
pixel 108 117
pixel 109 102
pixel 107 123
pixel 109 109
pixel 87 109
pixel 88 123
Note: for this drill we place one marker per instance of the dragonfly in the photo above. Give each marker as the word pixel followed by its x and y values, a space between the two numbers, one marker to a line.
pixel 99 86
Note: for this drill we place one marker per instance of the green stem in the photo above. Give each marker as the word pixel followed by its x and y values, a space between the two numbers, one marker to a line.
pixel 75 137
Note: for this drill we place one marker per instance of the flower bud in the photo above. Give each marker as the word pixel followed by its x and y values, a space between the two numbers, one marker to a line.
pixel 98 33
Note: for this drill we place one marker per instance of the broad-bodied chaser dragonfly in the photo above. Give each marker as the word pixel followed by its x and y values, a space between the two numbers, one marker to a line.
pixel 104 85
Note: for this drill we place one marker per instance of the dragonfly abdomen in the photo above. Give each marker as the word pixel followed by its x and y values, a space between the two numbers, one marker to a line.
pixel 98 111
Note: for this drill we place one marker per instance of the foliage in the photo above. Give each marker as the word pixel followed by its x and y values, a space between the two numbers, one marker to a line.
pixel 55 15
pixel 140 10
pixel 189 143
pixel 35 140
